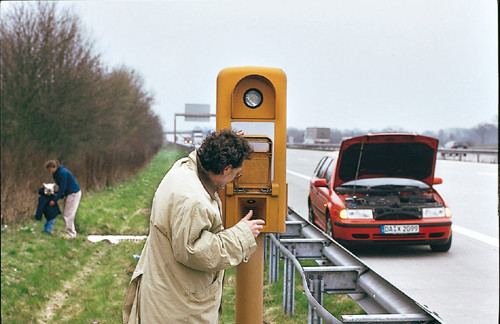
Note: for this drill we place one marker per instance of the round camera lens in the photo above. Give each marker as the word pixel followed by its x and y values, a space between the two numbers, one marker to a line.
pixel 253 98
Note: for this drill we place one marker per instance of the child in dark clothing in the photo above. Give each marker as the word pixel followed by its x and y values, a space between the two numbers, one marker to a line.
pixel 50 212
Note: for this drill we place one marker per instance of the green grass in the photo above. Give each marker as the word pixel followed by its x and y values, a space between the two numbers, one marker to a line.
pixel 124 208
pixel 84 282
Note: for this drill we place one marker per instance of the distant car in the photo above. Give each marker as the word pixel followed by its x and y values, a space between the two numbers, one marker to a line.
pixel 188 140
pixel 380 189
pixel 456 145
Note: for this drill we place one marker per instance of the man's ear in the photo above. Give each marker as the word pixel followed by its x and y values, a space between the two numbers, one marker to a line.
pixel 226 169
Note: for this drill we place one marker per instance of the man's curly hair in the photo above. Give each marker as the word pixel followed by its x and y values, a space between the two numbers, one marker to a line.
pixel 224 148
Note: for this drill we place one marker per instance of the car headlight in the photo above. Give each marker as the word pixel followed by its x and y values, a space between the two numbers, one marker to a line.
pixel 359 213
pixel 434 212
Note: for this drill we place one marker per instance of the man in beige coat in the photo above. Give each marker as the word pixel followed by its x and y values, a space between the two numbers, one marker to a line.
pixel 181 269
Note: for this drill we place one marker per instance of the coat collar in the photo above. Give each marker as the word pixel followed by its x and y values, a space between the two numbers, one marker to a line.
pixel 205 179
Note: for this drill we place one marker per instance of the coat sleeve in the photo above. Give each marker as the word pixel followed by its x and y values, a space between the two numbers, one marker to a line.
pixel 42 202
pixel 62 181
pixel 196 245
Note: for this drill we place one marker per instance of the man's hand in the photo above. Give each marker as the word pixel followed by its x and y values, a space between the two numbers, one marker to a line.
pixel 255 225
pixel 52 203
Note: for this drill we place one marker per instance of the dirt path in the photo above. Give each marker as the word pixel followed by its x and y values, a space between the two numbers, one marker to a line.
pixel 58 299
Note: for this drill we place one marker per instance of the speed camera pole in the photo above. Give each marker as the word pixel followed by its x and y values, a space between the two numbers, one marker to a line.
pixel 249 287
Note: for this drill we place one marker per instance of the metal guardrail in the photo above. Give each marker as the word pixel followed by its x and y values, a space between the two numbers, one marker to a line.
pixel 341 272
pixel 188 147
pixel 470 154
pixel 318 147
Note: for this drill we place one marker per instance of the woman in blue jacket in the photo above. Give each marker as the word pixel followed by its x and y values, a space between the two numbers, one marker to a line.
pixel 69 188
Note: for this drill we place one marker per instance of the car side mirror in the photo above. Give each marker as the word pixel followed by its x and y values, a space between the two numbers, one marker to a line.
pixel 437 181
pixel 320 183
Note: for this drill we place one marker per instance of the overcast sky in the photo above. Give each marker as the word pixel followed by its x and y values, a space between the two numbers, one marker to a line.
pixel 413 64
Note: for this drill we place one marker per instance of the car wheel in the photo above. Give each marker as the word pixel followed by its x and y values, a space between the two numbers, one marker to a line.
pixel 329 226
pixel 441 247
pixel 311 213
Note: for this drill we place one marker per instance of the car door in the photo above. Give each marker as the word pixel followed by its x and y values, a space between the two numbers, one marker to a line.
pixel 319 194
pixel 313 190
pixel 324 193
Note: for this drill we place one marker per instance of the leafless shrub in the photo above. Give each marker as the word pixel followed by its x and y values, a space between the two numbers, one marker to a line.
pixel 58 101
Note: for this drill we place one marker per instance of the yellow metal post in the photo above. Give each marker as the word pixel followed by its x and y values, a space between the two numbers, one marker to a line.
pixel 249 287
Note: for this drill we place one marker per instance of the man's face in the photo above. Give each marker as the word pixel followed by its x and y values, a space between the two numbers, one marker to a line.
pixel 228 175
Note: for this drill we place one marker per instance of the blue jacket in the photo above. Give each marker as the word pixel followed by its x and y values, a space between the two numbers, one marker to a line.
pixel 44 208
pixel 66 182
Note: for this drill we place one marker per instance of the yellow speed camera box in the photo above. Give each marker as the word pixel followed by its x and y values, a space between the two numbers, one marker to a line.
pixel 253 100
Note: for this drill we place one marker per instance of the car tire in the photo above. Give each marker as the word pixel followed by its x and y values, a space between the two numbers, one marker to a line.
pixel 441 247
pixel 311 213
pixel 329 226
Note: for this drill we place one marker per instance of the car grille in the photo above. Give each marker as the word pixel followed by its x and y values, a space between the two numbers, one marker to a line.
pixel 388 213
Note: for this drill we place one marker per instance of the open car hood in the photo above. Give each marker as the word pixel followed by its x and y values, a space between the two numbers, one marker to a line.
pixel 387 155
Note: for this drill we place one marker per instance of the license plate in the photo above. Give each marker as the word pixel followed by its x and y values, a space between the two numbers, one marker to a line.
pixel 400 229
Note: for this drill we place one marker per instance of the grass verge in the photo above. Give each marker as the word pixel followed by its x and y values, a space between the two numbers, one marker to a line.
pixel 47 279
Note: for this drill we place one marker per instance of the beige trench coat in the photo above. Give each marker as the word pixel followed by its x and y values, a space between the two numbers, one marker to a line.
pixel 181 269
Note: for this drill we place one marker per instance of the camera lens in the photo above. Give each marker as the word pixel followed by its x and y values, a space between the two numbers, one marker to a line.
pixel 253 98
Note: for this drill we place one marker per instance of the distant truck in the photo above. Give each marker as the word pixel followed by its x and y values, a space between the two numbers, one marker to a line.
pixel 317 135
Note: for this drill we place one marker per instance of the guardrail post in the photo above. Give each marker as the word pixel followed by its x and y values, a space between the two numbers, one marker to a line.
pixel 273 261
pixel 316 288
pixel 266 238
pixel 289 286
pixel 276 261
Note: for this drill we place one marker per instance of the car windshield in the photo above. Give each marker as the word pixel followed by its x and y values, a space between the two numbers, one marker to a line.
pixel 384 184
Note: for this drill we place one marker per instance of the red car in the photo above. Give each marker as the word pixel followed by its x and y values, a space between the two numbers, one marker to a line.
pixel 380 188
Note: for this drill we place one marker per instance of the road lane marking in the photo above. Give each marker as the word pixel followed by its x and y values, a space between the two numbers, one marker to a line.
pixel 475 235
pixel 459 229
pixel 300 175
